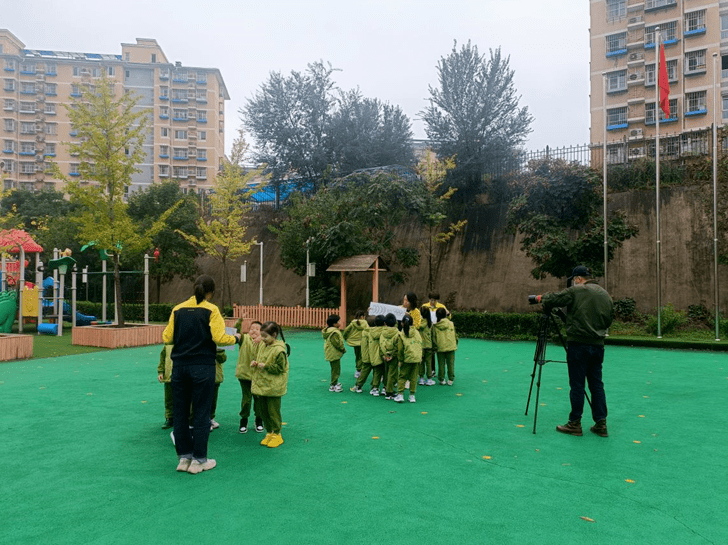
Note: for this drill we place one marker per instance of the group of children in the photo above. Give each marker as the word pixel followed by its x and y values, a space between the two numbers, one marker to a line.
pixel 398 354
pixel 262 370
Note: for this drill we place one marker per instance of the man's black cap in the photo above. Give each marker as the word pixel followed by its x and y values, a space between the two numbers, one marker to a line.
pixel 581 270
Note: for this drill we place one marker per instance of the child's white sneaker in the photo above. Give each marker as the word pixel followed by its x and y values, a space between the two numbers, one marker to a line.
pixel 442 382
pixel 449 382
pixel 430 382
pixel 399 398
pixel 421 382
pixel 412 398
pixel 355 390
pixel 357 374
pixel 374 392
pixel 338 387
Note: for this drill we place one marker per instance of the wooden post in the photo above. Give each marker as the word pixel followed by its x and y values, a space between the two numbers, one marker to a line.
pixel 375 282
pixel 342 308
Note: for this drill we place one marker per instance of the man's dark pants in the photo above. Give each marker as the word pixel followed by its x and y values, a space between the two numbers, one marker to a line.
pixel 195 385
pixel 585 363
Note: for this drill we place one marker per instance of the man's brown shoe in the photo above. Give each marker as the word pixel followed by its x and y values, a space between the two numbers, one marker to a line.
pixel 571 428
pixel 600 428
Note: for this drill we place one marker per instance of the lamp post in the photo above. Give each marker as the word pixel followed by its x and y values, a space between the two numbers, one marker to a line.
pixel 715 193
pixel 308 269
pixel 260 300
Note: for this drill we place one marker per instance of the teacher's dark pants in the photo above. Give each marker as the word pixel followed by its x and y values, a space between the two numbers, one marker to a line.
pixel 585 365
pixel 192 385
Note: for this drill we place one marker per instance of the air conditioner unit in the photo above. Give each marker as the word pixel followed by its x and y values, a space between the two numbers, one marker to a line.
pixel 635 134
pixel 636 153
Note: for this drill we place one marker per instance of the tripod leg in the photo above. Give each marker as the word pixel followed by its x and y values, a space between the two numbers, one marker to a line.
pixel 540 354
pixel 538 391
pixel 530 389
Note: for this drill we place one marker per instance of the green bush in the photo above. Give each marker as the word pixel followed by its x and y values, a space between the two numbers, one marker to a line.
pixel 132 312
pixel 670 320
pixel 626 309
pixel 496 325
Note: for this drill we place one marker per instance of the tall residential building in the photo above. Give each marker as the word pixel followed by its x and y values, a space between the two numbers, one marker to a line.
pixel 623 58
pixel 186 108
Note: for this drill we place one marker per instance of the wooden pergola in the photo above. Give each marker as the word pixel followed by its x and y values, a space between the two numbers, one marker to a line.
pixel 358 263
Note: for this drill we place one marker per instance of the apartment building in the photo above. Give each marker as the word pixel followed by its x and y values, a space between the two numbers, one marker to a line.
pixel 185 106
pixel 623 62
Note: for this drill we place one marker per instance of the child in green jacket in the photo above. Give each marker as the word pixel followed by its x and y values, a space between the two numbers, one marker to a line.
pixel 375 354
pixel 409 348
pixel 388 348
pixel 270 381
pixel 425 331
pixel 366 362
pixel 445 341
pixel 334 348
pixel 220 358
pixel 352 336
pixel 164 375
pixel 250 344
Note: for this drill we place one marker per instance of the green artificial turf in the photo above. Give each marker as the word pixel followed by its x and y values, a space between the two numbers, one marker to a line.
pixel 86 461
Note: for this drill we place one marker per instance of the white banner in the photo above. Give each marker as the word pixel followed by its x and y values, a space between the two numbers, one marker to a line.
pixel 375 309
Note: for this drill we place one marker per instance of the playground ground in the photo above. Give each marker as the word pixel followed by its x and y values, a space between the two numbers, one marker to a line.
pixel 86 460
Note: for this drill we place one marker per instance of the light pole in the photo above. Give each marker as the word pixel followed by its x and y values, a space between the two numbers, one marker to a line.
pixel 260 300
pixel 308 271
pixel 715 194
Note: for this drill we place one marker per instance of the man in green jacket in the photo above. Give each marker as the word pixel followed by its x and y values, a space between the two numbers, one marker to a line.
pixel 589 313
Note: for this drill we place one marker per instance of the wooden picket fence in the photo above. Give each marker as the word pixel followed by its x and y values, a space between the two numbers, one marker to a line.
pixel 286 316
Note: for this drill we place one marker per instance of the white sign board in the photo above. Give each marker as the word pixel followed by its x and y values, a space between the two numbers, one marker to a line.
pixel 229 331
pixel 376 309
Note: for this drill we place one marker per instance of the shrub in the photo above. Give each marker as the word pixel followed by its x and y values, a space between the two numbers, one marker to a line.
pixel 626 309
pixel 496 325
pixel 132 312
pixel 698 314
pixel 670 320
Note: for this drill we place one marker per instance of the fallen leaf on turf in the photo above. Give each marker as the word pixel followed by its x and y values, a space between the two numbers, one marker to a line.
pixel 459 395
pixel 423 412
pixel 90 394
pixel 486 457
pixel 637 442
pixel 559 388
pixel 375 437
pixel 628 481
pixel 284 423
pixel 344 402
pixel 542 404
pixel 587 519
pixel 143 401
pixel 641 415
pixel 520 426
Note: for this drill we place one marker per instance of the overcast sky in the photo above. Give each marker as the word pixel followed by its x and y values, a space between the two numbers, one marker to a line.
pixel 388 48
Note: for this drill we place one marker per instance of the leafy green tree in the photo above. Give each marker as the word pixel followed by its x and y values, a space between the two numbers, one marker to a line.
pixel 111 131
pixel 355 215
pixel 559 214
pixel 434 214
pixel 222 234
pixel 366 132
pixel 176 254
pixel 474 115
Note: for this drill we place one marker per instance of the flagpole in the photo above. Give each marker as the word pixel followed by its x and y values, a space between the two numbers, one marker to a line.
pixel 657 178
pixel 604 175
pixel 715 193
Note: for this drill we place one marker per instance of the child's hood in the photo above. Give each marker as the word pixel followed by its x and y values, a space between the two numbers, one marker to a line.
pixel 359 324
pixel 442 324
pixel 389 332
pixel 328 332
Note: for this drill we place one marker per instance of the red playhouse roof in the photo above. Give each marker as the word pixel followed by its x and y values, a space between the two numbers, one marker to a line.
pixel 10 239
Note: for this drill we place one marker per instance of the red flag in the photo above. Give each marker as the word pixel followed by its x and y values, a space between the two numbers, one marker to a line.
pixel 663 83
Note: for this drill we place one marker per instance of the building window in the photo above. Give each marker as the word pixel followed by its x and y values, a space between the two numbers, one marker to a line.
pixel 617 118
pixel 27 107
pixel 723 27
pixel 179 114
pixel 51 69
pixel 9 146
pixel 616 44
pixel 164 131
pixel 10 65
pixel 695 22
pixel 50 108
pixel 164 151
pixel 50 89
pixel 202 135
pixel 650 113
pixel 695 62
pixel 154 57
pixel 10 125
pixel 617 81
pixel 9 85
pixel 27 167
pixel 179 95
pixel 724 100
pixel 180 76
pixel 111 70
pixel 180 154
pixel 75 90
pixel 179 172
pixel 180 134
pixel 616 9
pixel 164 73
pixel 27 128
pixel 51 128
pixel 9 105
pixel 27 148
pixel 695 103
pixel 164 93
pixel 163 112
pixel 202 155
pixel 73 169
pixel 164 171
pixel 27 68
pixel 201 173
pixel 201 78
pixel 50 150
pixel 671 72
pixel 9 165
pixel 27 88
pixel 668 34
pixel 655 4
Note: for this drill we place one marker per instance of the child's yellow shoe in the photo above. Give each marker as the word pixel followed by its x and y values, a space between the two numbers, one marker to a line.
pixel 276 440
pixel 266 438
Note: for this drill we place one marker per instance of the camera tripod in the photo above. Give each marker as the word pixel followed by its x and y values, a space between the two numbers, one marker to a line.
pixel 539 357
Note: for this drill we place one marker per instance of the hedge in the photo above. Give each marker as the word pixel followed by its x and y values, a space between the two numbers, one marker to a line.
pixel 132 312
